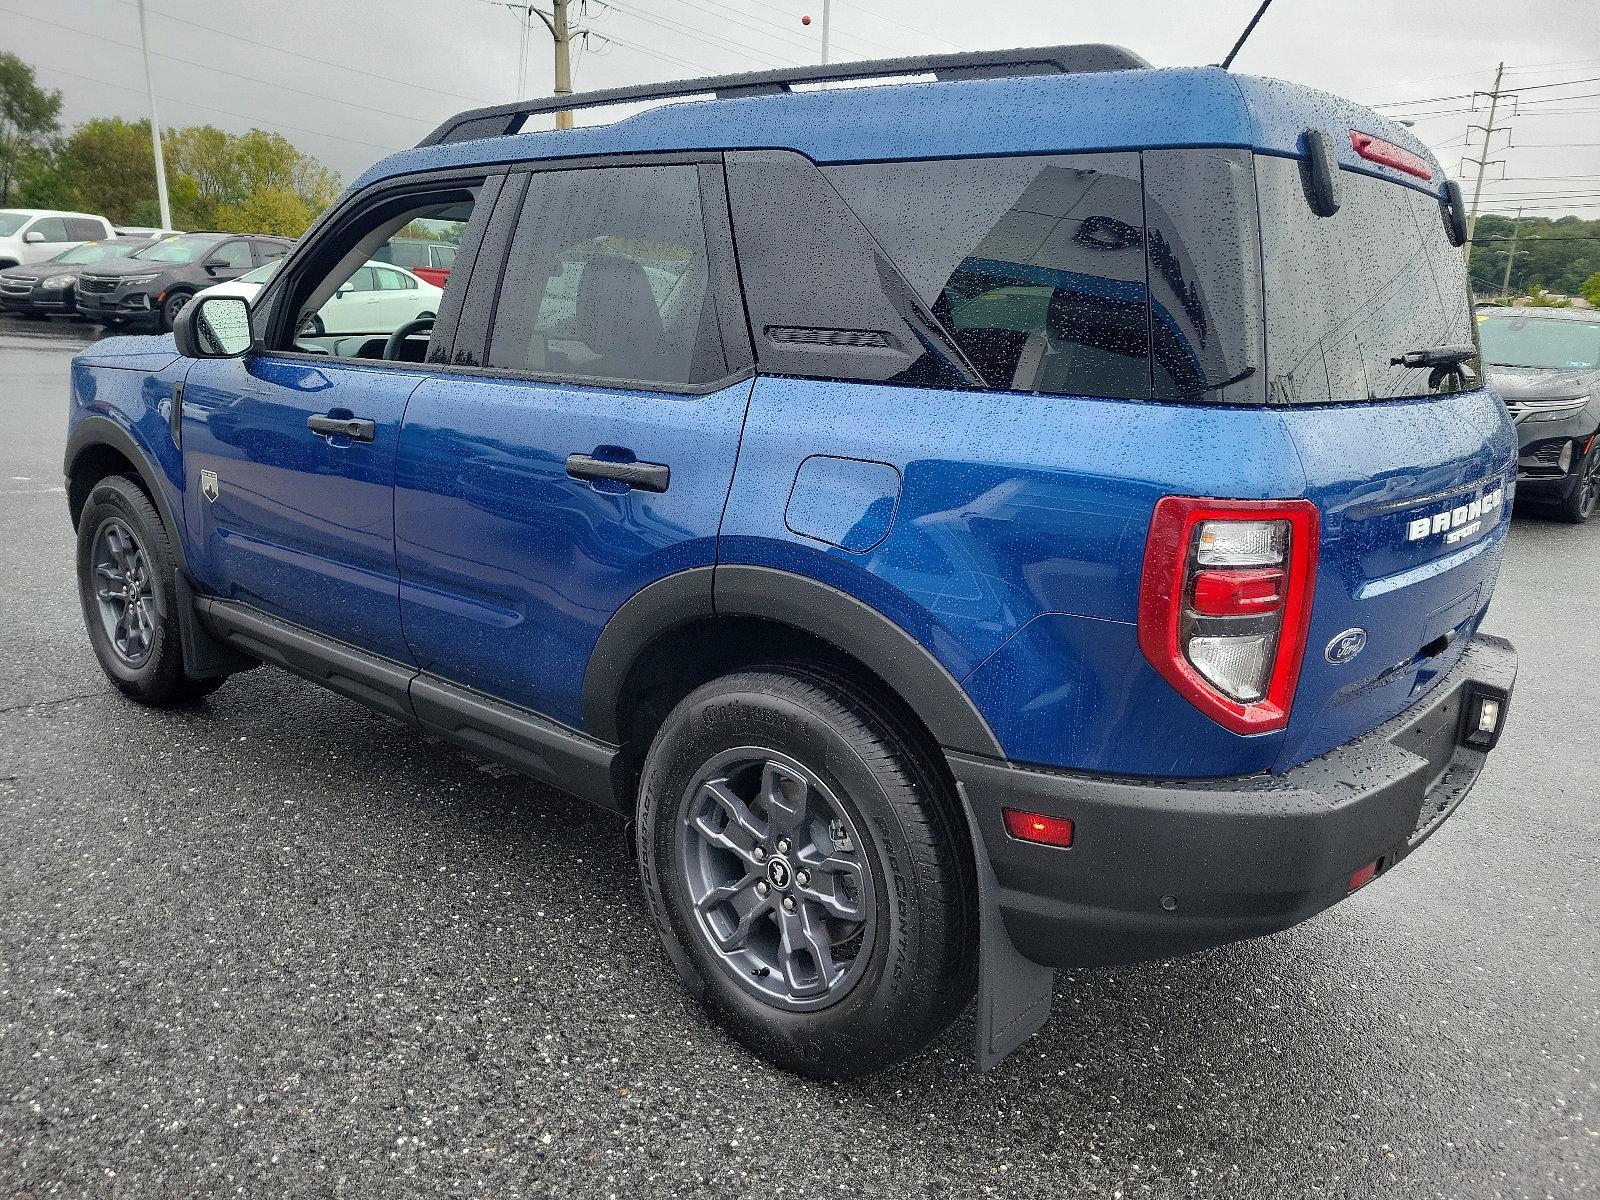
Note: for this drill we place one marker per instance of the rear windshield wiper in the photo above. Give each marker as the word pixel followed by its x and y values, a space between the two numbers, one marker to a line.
pixel 1435 356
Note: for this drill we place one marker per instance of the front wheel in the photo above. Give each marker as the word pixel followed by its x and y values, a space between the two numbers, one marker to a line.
pixel 171 307
pixel 1580 502
pixel 808 872
pixel 126 583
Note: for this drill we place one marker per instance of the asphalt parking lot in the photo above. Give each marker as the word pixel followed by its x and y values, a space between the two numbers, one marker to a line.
pixel 275 945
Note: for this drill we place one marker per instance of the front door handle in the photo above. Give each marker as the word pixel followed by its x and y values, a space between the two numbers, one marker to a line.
pixel 357 429
pixel 646 476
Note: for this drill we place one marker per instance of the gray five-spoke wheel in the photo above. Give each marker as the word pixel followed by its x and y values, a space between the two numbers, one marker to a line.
pixel 778 878
pixel 124 591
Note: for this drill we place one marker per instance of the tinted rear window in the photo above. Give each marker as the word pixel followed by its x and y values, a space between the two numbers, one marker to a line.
pixel 1034 265
pixel 1347 293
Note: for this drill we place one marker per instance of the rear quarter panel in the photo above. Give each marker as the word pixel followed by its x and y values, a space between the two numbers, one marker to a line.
pixel 1014 547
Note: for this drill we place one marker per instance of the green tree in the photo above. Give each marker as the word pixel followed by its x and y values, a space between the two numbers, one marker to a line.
pixel 1590 289
pixel 107 166
pixel 270 210
pixel 29 116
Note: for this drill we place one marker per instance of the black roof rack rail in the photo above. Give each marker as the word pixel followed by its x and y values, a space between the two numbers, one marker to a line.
pixel 502 119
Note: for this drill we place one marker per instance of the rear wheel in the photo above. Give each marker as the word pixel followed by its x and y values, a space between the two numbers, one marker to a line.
pixel 130 604
pixel 806 872
pixel 1580 502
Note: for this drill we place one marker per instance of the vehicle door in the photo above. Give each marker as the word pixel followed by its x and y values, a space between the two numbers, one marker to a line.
pixel 289 451
pixel 353 307
pixel 228 260
pixel 398 299
pixel 591 452
pixel 45 238
pixel 268 250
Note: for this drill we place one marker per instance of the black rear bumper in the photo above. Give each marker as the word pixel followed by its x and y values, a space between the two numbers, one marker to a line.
pixel 1164 867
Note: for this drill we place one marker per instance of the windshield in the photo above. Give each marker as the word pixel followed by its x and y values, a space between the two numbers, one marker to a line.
pixel 262 273
pixel 96 252
pixel 1520 340
pixel 175 250
pixel 10 222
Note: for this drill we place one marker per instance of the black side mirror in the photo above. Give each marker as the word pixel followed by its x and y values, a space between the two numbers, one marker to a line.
pixel 1319 171
pixel 214 327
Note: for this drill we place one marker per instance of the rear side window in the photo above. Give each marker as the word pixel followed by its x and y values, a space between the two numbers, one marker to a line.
pixel 1035 266
pixel 1346 294
pixel 81 229
pixel 608 279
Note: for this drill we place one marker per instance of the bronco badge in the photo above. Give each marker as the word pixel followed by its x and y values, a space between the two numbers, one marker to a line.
pixel 208 484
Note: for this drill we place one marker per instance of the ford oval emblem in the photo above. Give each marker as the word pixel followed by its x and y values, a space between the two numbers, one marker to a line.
pixel 1345 646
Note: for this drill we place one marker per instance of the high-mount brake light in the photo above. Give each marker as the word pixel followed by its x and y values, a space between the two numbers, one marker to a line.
pixel 1225 601
pixel 1375 149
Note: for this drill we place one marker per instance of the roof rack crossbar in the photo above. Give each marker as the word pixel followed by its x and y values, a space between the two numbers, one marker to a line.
pixel 503 119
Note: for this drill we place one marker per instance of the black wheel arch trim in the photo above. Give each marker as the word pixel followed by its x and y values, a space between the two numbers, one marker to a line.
pixel 808 605
pixel 95 430
pixel 203 655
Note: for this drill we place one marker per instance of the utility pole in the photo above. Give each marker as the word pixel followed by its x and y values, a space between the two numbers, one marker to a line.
pixel 155 126
pixel 825 4
pixel 1488 129
pixel 562 35
pixel 1511 257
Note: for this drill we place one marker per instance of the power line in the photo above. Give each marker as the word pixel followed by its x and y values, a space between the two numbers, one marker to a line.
pixel 877 16
pixel 222 71
pixel 413 84
pixel 724 43
pixel 786 29
pixel 227 112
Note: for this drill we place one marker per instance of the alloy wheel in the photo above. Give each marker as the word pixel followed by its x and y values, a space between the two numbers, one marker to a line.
pixel 124 591
pixel 777 873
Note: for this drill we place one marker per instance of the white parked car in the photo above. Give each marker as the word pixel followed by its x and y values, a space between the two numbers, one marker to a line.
pixel 30 235
pixel 376 299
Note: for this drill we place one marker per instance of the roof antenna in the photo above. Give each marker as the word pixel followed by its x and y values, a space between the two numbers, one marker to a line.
pixel 1248 30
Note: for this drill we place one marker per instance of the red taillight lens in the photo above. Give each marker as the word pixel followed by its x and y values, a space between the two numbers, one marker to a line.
pixel 1038 828
pixel 1377 150
pixel 1237 593
pixel 1224 603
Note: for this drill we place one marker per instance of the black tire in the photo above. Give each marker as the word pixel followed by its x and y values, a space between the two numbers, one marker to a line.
pixel 155 675
pixel 917 968
pixel 1580 503
pixel 171 307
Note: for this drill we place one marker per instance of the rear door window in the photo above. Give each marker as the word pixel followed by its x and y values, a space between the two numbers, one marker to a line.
pixel 1346 294
pixel 608 279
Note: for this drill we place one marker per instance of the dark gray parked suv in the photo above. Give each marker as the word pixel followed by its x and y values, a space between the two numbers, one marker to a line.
pixel 1545 363
pixel 155 283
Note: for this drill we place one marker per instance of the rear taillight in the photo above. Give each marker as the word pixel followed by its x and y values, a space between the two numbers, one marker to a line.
pixel 1224 603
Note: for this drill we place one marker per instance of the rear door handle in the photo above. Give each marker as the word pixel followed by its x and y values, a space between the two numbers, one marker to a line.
pixel 357 429
pixel 646 476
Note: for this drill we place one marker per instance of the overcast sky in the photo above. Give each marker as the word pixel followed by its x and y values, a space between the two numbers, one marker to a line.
pixel 351 80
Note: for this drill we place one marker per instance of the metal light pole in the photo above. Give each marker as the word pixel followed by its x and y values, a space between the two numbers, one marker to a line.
pixel 825 5
pixel 155 126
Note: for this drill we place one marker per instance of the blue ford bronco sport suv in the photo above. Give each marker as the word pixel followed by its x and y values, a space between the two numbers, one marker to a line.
pixel 1036 513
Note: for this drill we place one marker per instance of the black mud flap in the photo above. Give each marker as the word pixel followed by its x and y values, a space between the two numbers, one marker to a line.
pixel 1014 993
pixel 204 657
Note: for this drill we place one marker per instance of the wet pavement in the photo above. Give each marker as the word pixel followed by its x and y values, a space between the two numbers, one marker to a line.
pixel 276 945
